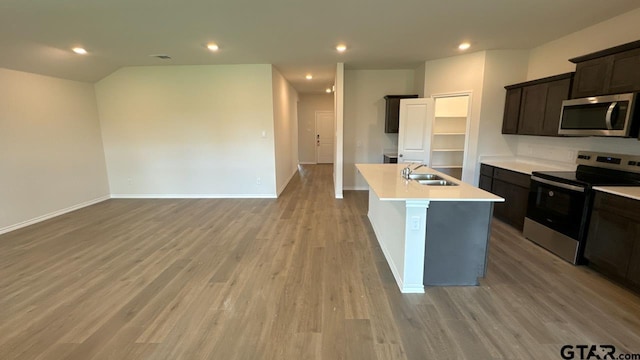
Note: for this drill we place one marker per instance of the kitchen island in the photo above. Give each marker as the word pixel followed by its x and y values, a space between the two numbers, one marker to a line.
pixel 430 235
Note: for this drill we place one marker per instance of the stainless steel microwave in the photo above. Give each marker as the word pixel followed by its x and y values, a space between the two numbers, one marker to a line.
pixel 609 115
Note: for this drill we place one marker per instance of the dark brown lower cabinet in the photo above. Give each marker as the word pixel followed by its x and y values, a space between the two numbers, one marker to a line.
pixel 485 182
pixel 613 241
pixel 633 274
pixel 513 187
pixel 514 209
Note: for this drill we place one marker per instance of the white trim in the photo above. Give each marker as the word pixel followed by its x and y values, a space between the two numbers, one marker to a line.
pixel 404 288
pixel 52 214
pixel 284 185
pixel 408 289
pixel 420 204
pixel 193 196
pixel 307 163
pixel 467 162
pixel 414 245
pixel 356 188
pixel 338 104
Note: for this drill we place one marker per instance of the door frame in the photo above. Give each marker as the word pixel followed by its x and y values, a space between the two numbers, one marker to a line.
pixel 315 134
pixel 467 136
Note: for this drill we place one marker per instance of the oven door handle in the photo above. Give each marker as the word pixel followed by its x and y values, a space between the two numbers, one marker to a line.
pixel 557 184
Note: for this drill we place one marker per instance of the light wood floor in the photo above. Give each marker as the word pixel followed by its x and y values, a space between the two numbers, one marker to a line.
pixel 300 277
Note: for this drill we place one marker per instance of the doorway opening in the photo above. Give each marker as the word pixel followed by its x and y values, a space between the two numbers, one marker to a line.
pixel 450 135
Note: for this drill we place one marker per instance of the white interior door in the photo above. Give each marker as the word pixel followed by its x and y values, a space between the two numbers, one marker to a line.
pixel 324 137
pixel 414 133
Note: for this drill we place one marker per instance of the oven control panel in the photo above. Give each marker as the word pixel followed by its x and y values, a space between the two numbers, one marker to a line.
pixel 620 162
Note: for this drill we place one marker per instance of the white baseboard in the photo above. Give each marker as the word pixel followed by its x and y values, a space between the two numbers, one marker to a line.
pixel 355 188
pixel 295 171
pixel 52 214
pixel 193 196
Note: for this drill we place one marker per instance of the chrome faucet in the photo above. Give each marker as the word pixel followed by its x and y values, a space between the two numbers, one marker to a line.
pixel 406 172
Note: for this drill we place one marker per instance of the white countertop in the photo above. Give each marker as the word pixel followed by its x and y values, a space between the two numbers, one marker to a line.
pixel 386 182
pixel 632 192
pixel 527 166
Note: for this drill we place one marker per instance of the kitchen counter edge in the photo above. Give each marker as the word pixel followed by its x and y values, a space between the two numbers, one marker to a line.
pixel 525 167
pixel 388 185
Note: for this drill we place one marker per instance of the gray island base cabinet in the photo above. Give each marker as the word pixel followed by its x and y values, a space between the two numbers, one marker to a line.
pixel 430 235
pixel 461 258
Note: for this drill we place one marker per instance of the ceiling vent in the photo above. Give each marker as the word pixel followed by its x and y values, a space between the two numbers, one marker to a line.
pixel 161 56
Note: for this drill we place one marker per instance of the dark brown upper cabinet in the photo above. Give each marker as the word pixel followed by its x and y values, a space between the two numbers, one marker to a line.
pixel 533 107
pixel 611 71
pixel 511 111
pixel 392 112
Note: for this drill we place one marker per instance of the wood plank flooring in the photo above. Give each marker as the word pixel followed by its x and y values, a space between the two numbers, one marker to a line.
pixel 300 277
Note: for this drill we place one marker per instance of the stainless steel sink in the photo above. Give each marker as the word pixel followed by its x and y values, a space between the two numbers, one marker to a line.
pixel 419 177
pixel 439 182
pixel 430 179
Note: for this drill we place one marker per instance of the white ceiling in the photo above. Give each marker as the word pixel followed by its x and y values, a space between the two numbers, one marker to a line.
pixel 297 36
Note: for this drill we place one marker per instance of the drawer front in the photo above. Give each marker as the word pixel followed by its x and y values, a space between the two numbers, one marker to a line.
pixel 486 170
pixel 512 177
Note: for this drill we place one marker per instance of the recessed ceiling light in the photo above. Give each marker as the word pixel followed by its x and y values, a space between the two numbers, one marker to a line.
pixel 341 47
pixel 464 46
pixel 328 90
pixel 213 46
pixel 309 77
pixel 79 50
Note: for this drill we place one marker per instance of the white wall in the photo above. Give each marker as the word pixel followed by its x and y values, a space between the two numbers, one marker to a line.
pixel 552 58
pixel 418 80
pixel 364 113
pixel 189 131
pixel 502 67
pixel 307 107
pixel 484 74
pixel 51 156
pixel 464 73
pixel 285 123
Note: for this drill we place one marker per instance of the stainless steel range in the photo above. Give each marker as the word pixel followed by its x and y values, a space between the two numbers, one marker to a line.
pixel 560 202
